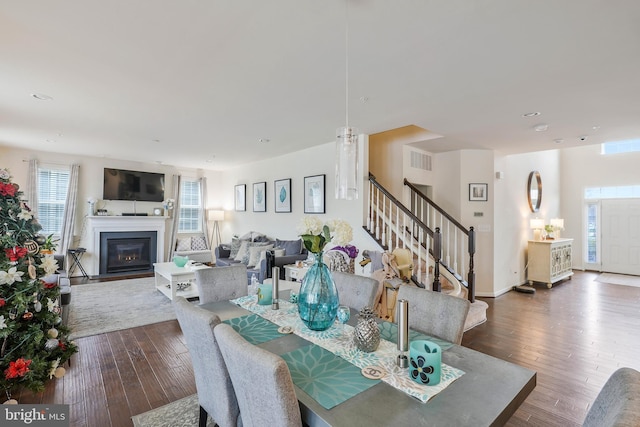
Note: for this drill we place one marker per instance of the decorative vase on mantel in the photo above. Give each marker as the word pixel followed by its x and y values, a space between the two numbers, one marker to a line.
pixel 318 300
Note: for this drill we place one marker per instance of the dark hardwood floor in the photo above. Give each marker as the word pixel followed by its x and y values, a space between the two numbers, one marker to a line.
pixel 574 335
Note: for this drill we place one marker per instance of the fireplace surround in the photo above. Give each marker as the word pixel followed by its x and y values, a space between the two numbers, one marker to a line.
pixel 127 251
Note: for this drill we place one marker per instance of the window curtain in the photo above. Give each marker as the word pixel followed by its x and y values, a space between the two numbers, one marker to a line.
pixel 70 208
pixel 32 185
pixel 203 199
pixel 175 195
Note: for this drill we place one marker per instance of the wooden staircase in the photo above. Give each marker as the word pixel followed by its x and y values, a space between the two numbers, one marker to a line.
pixel 442 249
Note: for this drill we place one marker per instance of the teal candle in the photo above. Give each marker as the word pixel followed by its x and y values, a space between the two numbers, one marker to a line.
pixel 265 294
pixel 425 362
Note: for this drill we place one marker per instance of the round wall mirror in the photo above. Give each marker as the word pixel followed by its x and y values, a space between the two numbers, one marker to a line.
pixel 534 191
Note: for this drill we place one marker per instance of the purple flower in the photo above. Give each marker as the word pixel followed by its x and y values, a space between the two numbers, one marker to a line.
pixel 350 250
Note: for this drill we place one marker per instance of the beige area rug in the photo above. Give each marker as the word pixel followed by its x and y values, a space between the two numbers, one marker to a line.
pixel 619 279
pixel 181 413
pixel 97 308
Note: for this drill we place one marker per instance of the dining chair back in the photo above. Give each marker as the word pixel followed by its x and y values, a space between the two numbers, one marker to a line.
pixel 617 403
pixel 215 390
pixel 262 382
pixel 434 313
pixel 356 291
pixel 221 283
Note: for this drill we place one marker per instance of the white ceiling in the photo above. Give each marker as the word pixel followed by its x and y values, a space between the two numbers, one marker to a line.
pixel 197 83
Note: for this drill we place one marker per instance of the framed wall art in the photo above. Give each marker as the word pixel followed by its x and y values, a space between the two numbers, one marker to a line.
pixel 240 197
pixel 314 194
pixel 478 192
pixel 282 195
pixel 260 197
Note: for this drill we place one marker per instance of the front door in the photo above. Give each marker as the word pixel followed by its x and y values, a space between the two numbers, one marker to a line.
pixel 621 236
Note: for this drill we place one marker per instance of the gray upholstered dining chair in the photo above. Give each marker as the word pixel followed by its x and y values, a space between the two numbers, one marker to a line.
pixel 618 403
pixel 356 291
pixel 434 313
pixel 221 283
pixel 262 382
pixel 215 389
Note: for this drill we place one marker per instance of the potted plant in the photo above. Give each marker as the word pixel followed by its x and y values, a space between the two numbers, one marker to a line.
pixel 50 244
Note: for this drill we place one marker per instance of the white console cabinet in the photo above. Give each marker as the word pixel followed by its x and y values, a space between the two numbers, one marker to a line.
pixel 549 261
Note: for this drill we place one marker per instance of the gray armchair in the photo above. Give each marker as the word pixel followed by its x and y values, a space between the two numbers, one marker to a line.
pixel 216 395
pixel 221 283
pixel 618 403
pixel 356 291
pixel 434 313
pixel 262 382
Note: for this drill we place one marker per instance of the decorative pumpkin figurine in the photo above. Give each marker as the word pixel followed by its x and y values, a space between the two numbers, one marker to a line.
pixel 367 333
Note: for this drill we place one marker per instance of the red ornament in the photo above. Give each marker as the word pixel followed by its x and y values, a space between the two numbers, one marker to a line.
pixel 2 302
pixel 7 189
pixel 49 285
pixel 62 345
pixel 27 315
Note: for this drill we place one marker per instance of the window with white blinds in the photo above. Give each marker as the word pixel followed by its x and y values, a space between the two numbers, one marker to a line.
pixel 190 207
pixel 52 195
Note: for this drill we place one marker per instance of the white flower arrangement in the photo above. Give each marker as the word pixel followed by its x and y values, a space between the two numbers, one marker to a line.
pixel 316 235
pixel 10 276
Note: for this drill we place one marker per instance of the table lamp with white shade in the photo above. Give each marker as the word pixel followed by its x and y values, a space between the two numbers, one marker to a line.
pixel 537 225
pixel 215 215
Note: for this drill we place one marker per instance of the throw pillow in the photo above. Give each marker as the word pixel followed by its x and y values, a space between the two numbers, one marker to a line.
pixel 291 247
pixel 183 244
pixel 235 246
pixel 198 243
pixel 242 251
pixel 256 253
pixel 247 254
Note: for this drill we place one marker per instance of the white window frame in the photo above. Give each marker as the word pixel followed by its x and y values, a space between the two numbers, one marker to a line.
pixel 50 193
pixel 186 222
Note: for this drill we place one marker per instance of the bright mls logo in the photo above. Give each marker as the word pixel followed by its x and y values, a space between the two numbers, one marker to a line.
pixel 35 415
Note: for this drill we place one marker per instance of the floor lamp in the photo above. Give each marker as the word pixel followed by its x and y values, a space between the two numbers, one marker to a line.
pixel 215 216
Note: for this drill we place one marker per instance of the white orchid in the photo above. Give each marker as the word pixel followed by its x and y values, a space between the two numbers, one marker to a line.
pixel 52 305
pixel 3 324
pixel 25 215
pixel 54 366
pixel 49 264
pixel 10 276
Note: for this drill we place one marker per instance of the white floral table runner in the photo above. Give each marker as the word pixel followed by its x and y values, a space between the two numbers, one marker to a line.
pixel 339 340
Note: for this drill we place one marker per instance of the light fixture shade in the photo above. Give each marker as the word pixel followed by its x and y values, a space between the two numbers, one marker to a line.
pixel 536 223
pixel 215 215
pixel 347 163
pixel 557 223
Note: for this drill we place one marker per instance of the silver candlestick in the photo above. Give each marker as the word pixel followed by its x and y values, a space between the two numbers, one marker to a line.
pixel 275 274
pixel 403 332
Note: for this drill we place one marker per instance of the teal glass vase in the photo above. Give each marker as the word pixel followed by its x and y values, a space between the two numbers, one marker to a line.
pixel 318 299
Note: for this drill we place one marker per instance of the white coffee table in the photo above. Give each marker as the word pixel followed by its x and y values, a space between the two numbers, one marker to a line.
pixel 174 274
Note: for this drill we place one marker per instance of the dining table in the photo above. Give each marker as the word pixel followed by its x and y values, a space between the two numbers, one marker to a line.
pixel 487 393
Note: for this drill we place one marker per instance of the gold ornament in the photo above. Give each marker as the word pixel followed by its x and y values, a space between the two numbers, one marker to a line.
pixel 59 372
pixel 32 271
pixel 27 315
pixel 10 402
pixel 52 333
pixel 32 247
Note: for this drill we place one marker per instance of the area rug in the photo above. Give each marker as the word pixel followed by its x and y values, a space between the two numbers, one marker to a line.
pixel 619 279
pixel 181 413
pixel 97 308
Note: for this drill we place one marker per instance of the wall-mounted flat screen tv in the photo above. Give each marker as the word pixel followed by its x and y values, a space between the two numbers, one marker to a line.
pixel 133 185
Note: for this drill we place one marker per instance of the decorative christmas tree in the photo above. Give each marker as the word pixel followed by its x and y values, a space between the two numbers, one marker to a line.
pixel 33 341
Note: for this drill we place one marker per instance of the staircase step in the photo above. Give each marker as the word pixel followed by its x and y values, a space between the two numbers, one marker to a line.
pixel 477 315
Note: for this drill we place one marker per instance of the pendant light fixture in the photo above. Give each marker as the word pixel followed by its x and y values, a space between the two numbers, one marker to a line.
pixel 347 140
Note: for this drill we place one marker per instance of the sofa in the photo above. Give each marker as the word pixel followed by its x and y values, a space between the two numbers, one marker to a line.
pixel 260 253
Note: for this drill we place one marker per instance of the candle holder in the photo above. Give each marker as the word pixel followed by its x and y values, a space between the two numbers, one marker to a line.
pixel 403 333
pixel 275 280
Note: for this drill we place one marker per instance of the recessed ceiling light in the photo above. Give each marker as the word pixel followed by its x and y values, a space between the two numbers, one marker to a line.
pixel 595 127
pixel 364 99
pixel 541 127
pixel 264 140
pixel 159 162
pixel 532 114
pixel 41 96
pixel 50 140
pixel 558 141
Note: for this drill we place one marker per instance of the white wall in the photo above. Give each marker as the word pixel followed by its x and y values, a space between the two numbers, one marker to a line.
pixel 313 161
pixel 90 183
pixel 512 213
pixel 583 167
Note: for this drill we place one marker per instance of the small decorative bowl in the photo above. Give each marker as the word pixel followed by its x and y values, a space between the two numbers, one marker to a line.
pixel 180 261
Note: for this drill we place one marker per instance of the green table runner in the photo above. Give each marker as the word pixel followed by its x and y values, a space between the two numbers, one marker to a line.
pixel 254 329
pixel 327 378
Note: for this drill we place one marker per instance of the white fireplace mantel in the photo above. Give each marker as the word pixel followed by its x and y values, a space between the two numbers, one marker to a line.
pixel 110 224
